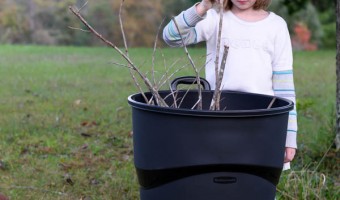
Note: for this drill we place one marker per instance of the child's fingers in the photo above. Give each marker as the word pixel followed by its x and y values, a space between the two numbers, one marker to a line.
pixel 216 1
pixel 289 154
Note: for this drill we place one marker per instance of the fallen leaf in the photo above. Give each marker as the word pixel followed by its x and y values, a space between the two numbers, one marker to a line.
pixel 85 198
pixel 67 178
pixel 24 151
pixel 89 123
pixel 85 134
pixel 94 182
pixel 126 157
pixel 3 166
pixel 85 146
pixel 77 102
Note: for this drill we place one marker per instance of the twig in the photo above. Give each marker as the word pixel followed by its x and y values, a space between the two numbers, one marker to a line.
pixel 322 159
pixel 167 81
pixel 187 91
pixel 185 94
pixel 147 82
pixel 271 103
pixel 127 53
pixel 79 29
pixel 121 65
pixel 199 106
pixel 154 51
pixel 83 6
pixel 218 46
pixel 215 102
pixel 168 77
pixel 286 194
pixel 168 68
pixel 219 71
pixel 122 27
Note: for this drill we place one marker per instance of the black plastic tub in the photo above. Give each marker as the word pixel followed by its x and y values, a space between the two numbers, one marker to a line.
pixel 186 154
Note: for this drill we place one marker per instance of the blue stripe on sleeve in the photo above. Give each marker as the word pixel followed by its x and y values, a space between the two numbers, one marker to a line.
pixel 195 36
pixel 172 32
pixel 279 90
pixel 283 72
pixel 186 21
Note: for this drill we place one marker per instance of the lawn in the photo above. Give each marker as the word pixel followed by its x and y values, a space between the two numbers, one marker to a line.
pixel 65 125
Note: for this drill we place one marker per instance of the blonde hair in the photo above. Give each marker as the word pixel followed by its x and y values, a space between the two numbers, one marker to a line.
pixel 259 4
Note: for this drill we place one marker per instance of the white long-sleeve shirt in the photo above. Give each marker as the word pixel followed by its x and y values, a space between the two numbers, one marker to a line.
pixel 260 54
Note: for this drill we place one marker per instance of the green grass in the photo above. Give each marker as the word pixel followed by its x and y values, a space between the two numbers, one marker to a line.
pixel 65 125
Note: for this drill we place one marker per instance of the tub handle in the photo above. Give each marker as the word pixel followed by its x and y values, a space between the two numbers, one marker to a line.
pixel 225 180
pixel 189 80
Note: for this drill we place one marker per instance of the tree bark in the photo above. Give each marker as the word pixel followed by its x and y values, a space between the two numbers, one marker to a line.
pixel 337 138
pixel 31 13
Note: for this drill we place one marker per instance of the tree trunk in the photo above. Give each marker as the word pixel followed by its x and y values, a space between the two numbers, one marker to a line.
pixel 31 14
pixel 337 138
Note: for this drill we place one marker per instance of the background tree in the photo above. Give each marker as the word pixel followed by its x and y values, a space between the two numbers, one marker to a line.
pixel 324 5
pixel 294 6
pixel 337 139
pixel 141 20
pixel 46 22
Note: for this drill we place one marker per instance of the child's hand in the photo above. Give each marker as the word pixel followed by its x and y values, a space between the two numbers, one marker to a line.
pixel 289 155
pixel 205 5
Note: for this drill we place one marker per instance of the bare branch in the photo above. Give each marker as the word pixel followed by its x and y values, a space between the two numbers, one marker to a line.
pixel 199 107
pixel 167 80
pixel 122 27
pixel 168 77
pixel 127 53
pixel 218 75
pixel 271 103
pixel 218 47
pixel 168 69
pixel 195 104
pixel 215 102
pixel 122 65
pixel 147 82
pixel 154 51
pixel 79 29
pixel 83 6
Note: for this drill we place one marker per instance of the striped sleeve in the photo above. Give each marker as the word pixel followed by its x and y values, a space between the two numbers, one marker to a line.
pixel 283 85
pixel 186 22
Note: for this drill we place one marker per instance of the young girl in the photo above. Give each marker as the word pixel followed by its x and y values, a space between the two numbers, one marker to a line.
pixel 260 53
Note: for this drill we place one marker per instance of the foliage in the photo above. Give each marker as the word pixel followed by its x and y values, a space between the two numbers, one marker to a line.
pixel 307 16
pixel 294 6
pixel 302 37
pixel 173 8
pixel 324 6
pixel 327 19
pixel 141 20
pixel 14 28
pixel 47 22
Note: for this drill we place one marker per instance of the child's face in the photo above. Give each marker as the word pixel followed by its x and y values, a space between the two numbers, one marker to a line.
pixel 243 4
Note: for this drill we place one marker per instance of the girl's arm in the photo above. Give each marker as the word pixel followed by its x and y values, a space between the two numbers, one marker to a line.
pixel 186 22
pixel 283 85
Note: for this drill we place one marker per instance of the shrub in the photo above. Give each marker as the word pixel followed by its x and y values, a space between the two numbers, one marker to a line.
pixel 329 29
pixel 307 16
pixel 302 37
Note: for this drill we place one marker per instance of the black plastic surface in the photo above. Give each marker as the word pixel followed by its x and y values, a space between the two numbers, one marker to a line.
pixel 181 153
pixel 204 187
